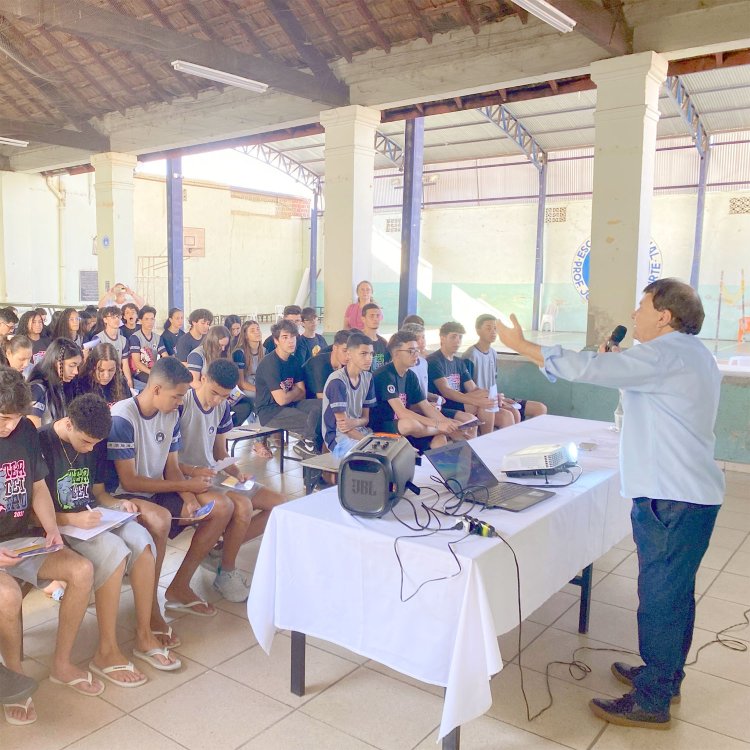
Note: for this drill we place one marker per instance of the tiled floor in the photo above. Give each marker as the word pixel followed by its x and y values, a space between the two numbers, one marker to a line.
pixel 229 694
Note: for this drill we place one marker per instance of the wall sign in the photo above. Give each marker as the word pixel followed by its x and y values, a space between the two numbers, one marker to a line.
pixel 579 269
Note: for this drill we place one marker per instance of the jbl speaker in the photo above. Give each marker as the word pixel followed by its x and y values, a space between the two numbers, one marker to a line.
pixel 373 477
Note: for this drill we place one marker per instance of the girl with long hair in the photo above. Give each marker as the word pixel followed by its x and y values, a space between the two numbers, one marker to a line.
pixel 173 329
pixel 214 346
pixel 31 325
pixel 233 324
pixel 247 356
pixel 68 326
pixel 102 374
pixel 48 380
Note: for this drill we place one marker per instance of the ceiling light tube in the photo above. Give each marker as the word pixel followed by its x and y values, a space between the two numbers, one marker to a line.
pixel 548 13
pixel 13 142
pixel 219 76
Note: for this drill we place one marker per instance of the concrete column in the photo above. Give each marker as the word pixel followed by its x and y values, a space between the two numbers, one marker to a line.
pixel 114 188
pixel 627 111
pixel 347 222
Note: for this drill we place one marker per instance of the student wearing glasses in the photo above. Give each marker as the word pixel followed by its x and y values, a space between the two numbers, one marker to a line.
pixel 109 333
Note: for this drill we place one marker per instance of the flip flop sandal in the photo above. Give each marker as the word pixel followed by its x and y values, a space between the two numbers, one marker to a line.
pixel 188 608
pixel 18 722
pixel 107 672
pixel 174 640
pixel 73 684
pixel 150 658
pixel 262 451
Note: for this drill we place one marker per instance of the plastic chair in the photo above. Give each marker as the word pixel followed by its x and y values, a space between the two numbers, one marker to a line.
pixel 279 312
pixel 743 329
pixel 549 318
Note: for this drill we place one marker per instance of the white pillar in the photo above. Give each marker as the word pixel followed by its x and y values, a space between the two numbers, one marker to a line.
pixel 349 174
pixel 627 111
pixel 114 186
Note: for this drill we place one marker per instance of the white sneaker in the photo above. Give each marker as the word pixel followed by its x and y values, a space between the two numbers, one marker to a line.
pixel 232 586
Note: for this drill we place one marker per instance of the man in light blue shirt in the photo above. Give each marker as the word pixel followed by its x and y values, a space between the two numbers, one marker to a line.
pixel 670 395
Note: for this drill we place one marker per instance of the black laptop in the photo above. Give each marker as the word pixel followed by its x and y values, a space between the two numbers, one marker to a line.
pixel 463 471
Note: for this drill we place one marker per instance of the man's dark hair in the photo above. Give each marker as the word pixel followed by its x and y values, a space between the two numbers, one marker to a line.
pixel 292 310
pixel 369 306
pixel 170 371
pixel 145 310
pixel 413 328
pixel 231 320
pixel 342 337
pixel 482 319
pixel 128 306
pixel 398 338
pixel 283 325
pixel 451 327
pixel 308 313
pixel 200 314
pixel 90 414
pixel 681 300
pixel 413 319
pixel 110 310
pixel 357 339
pixel 224 373
pixel 8 316
pixel 15 394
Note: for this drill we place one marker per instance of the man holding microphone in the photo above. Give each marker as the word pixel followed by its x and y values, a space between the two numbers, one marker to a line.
pixel 670 395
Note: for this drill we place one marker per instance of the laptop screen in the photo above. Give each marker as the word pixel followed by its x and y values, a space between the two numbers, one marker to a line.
pixel 458 461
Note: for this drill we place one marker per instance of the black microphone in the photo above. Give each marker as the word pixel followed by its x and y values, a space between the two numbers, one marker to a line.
pixel 615 338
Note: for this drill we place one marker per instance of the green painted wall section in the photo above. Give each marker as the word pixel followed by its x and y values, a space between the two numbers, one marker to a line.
pixel 521 379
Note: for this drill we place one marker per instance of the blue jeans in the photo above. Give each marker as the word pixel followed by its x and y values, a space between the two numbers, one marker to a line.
pixel 671 538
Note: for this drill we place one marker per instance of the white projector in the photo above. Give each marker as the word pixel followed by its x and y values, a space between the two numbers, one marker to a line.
pixel 539 460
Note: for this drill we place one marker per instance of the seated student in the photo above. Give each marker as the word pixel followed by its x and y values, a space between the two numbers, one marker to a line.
pixel 353 313
pixel 88 323
pixel 310 343
pixel 129 318
pixel 143 443
pixel 23 491
pixel 15 352
pixel 420 369
pixel 372 316
pixel 246 354
pixel 109 333
pixel 204 421
pixel 31 325
pixel 317 370
pixel 68 326
pixel 145 346
pixel 292 313
pixel 101 374
pixel 449 377
pixel 8 322
pixel 402 407
pixel 75 451
pixel 348 396
pixel 200 321
pixel 484 358
pixel 173 330
pixel 215 346
pixel 416 319
pixel 48 380
pixel 280 392
pixel 233 324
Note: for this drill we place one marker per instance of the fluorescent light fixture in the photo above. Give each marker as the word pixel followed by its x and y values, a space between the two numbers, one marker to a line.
pixel 219 76
pixel 548 13
pixel 13 142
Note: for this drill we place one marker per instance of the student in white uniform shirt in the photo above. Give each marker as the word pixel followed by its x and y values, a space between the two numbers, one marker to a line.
pixel 205 419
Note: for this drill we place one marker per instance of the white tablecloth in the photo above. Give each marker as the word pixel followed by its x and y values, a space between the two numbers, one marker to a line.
pixel 325 573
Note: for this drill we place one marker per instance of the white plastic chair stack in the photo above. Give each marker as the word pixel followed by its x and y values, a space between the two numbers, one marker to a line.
pixel 549 318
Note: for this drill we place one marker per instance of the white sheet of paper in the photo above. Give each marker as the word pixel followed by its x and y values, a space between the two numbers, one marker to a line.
pixel 228 461
pixel 110 519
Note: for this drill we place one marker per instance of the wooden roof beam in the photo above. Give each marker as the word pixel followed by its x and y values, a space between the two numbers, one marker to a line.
pixel 606 28
pixel 93 142
pixel 421 20
pixel 465 9
pixel 128 33
pixel 375 27
pixel 330 29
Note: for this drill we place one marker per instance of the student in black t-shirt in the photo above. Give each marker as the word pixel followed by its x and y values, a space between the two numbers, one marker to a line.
pixel 402 407
pixel 310 343
pixel 373 317
pixel 22 473
pixel 31 325
pixel 317 369
pixel 51 381
pixel 75 451
pixel 200 321
pixel 449 377
pixel 129 320
pixel 280 392
pixel 101 374
pixel 173 330
pixel 292 313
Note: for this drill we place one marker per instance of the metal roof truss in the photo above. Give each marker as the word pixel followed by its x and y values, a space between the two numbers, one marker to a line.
pixel 284 163
pixel 676 90
pixel 515 130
